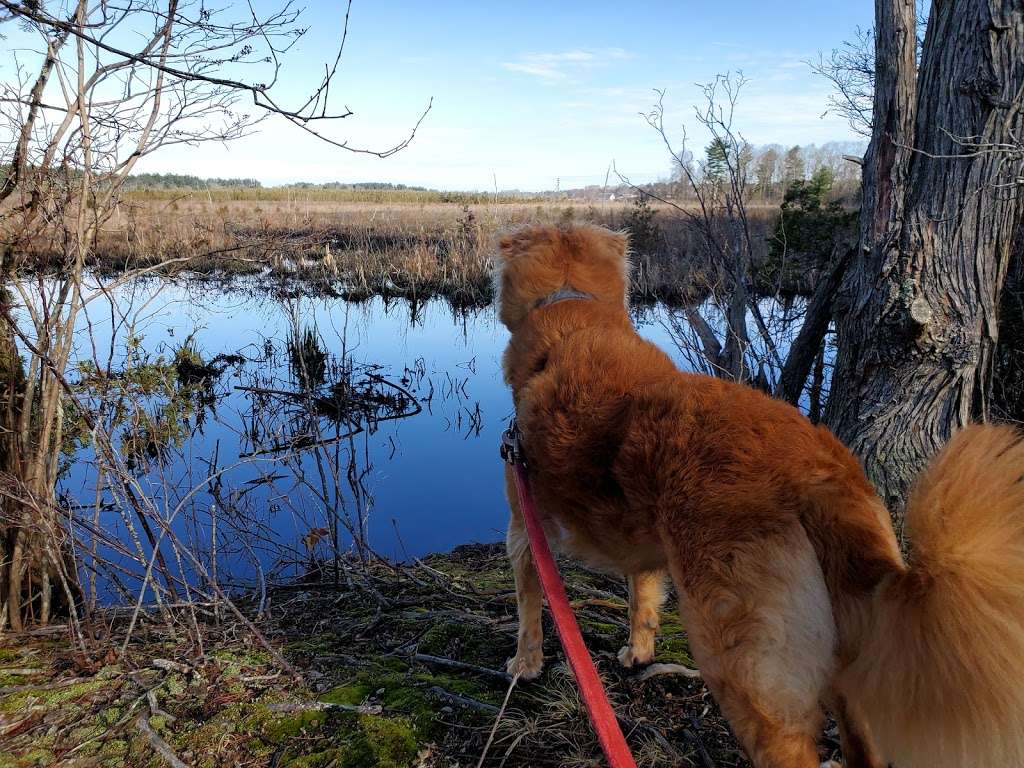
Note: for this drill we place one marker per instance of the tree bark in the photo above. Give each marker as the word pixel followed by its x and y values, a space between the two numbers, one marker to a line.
pixel 12 534
pixel 917 317
pixel 1008 377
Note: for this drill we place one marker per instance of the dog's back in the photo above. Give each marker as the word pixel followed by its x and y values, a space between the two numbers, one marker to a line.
pixel 790 580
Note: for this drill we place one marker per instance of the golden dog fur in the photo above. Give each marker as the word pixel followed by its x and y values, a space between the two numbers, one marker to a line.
pixel 790 581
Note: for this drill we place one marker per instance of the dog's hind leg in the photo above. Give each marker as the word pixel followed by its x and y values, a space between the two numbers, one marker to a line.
pixel 529 656
pixel 760 626
pixel 858 751
pixel 646 594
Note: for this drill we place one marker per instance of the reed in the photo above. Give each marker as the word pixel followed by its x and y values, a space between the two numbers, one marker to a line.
pixel 404 244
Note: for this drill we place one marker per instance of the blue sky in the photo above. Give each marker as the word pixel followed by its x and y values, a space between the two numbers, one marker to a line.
pixel 528 92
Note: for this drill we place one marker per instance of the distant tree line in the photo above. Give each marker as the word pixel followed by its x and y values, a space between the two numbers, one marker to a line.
pixel 771 170
pixel 184 181
pixel 766 173
pixel 361 185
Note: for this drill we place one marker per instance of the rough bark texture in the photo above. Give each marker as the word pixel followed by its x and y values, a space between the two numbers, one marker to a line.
pixel 1008 377
pixel 12 533
pixel 917 318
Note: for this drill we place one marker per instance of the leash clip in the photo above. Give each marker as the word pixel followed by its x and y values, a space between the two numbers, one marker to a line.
pixel 511 448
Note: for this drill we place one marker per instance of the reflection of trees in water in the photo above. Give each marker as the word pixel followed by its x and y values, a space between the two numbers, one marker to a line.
pixel 240 467
pixel 152 404
pixel 317 426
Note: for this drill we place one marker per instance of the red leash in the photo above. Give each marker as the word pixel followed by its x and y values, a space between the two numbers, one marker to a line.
pixel 602 716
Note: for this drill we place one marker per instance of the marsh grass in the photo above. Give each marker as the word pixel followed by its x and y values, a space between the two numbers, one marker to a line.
pixel 407 244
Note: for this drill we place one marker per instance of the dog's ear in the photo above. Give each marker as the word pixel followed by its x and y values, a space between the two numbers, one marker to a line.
pixel 519 243
pixel 618 243
pixel 509 246
pixel 611 247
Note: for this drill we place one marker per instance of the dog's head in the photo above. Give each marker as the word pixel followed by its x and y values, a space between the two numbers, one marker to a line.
pixel 535 262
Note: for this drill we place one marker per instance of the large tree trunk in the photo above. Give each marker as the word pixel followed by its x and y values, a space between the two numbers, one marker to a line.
pixel 1008 376
pixel 917 319
pixel 12 530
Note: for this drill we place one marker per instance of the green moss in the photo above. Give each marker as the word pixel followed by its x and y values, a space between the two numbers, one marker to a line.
pixel 289 726
pixel 110 715
pixel 392 740
pixel 672 645
pixel 352 694
pixel 328 757
pixel 495 579
pixel 402 691
pixel 600 627
pixel 234 663
pixel 40 757
pixel 455 684
pixel 458 640
pixel 49 698
pixel 110 672
pixel 369 741
pixel 175 684
pixel 112 752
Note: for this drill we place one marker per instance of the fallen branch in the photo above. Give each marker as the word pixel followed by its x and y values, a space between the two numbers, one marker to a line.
pixel 668 669
pixel 325 706
pixel 159 746
pixel 439 661
pixel 62 683
pixel 597 602
pixel 693 736
pixel 441 694
pixel 8 730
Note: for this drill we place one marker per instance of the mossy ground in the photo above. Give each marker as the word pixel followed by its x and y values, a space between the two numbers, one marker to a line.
pixel 368 696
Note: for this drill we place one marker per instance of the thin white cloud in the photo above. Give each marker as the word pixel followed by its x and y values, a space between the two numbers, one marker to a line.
pixel 559 66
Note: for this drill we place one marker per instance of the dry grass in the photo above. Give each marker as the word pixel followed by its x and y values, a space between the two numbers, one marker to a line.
pixel 362 248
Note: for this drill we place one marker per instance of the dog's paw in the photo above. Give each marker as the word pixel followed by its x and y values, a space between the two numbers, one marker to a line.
pixel 831 764
pixel 631 656
pixel 527 665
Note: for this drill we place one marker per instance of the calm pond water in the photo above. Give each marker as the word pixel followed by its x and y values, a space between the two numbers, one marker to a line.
pixel 393 439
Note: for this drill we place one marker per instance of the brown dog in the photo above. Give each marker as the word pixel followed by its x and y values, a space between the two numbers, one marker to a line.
pixel 790 581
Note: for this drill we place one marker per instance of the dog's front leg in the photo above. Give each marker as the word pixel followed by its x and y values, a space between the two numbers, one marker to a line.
pixel 646 594
pixel 529 656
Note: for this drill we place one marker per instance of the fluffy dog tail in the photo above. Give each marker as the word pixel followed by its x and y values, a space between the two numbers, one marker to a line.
pixel 940 669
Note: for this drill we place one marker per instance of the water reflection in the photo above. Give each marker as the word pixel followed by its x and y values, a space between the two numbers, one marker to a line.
pixel 274 433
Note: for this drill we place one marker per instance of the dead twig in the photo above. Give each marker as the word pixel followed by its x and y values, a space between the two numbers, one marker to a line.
pixel 159 746
pixel 324 706
pixel 497 721
pixel 447 697
pixel 440 661
pixel 668 669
